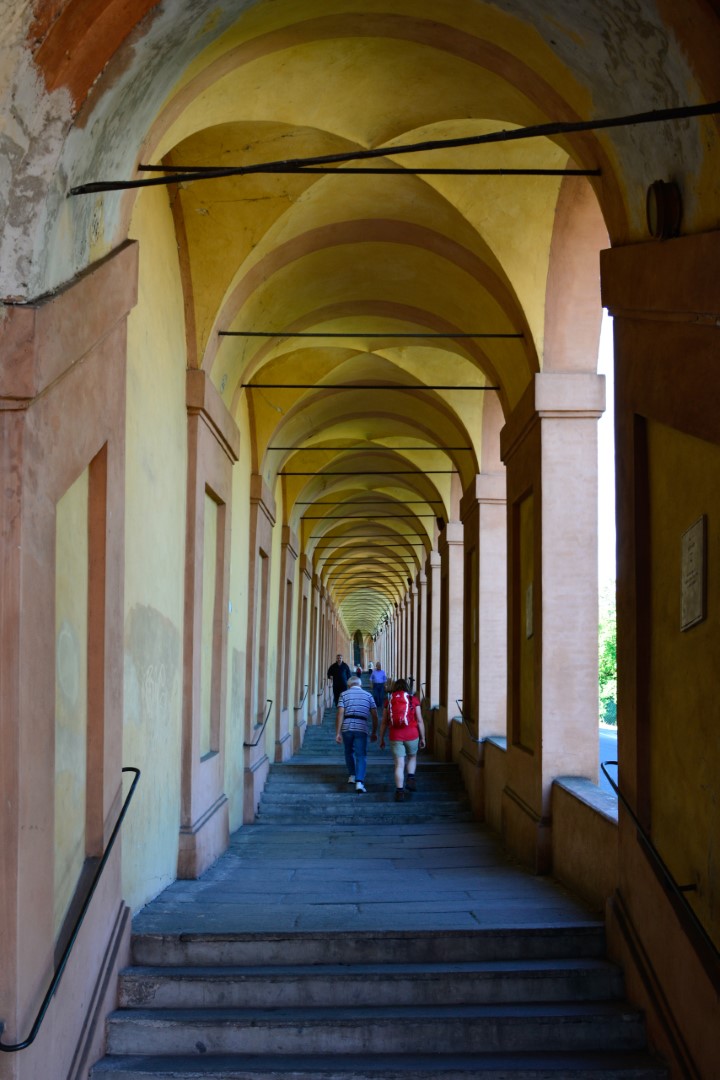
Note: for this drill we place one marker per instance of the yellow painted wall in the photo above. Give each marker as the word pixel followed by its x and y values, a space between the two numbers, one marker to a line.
pixel 71 641
pixel 156 476
pixel 237 625
pixel 684 705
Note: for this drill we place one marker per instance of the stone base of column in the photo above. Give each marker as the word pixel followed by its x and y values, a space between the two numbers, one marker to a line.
pixel 284 742
pixel 470 758
pixel 442 734
pixel 204 841
pixel 525 833
pixel 255 775
pixel 299 730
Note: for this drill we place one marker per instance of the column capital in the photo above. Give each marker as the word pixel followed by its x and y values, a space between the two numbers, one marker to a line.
pixel 261 496
pixel 290 541
pixel 553 395
pixel 451 536
pixel 433 560
pixel 561 394
pixel 485 488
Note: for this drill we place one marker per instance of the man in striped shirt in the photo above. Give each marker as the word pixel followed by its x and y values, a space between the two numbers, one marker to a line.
pixel 355 709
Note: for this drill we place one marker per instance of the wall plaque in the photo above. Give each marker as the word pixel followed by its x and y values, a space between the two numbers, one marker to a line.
pixel 693 574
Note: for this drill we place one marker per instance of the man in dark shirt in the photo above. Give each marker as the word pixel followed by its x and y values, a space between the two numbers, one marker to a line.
pixel 339 672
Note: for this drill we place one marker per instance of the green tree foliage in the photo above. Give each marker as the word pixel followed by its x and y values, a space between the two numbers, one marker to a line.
pixel 607 656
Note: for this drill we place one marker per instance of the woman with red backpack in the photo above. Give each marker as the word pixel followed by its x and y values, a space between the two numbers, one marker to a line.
pixel 403 717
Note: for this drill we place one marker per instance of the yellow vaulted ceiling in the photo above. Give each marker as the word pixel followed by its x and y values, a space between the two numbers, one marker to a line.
pixel 366 476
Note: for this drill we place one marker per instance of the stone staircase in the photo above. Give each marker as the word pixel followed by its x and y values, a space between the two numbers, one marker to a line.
pixel 313 786
pixel 516 999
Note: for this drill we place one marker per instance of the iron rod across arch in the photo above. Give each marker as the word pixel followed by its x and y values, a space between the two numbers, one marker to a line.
pixel 372 472
pixel 547 130
pixel 218 171
pixel 361 386
pixel 364 333
pixel 358 517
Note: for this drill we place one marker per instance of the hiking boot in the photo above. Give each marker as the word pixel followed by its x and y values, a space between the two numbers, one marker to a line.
pixel 410 782
pixel 360 788
pixel 399 795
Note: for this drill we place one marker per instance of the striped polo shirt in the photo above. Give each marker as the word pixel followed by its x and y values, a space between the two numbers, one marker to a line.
pixel 357 704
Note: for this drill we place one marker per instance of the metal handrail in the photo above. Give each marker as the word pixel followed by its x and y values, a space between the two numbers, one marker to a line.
pixel 471 735
pixel 678 890
pixel 12 1048
pixel 298 707
pixel 249 745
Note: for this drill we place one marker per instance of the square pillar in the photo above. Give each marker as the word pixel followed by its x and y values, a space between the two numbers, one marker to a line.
pixel 432 663
pixel 303 662
pixel 283 689
pixel 257 762
pixel 213 447
pixel 549 446
pixel 450 546
pixel 421 642
pixel 484 518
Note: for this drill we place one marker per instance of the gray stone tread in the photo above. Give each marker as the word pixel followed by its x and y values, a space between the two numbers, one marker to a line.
pixel 424 970
pixel 520 1012
pixel 536 1066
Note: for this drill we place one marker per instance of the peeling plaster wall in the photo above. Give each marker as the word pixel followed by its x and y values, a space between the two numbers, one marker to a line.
pixel 33 127
pixel 619 50
pixel 46 237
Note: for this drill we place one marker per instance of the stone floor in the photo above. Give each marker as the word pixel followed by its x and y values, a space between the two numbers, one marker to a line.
pixel 301 875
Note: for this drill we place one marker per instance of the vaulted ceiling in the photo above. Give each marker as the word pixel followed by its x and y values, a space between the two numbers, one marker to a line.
pixel 367 404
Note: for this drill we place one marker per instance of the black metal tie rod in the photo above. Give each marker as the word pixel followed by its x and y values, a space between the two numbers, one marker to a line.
pixel 374 472
pixel 374 449
pixel 368 386
pixel 533 131
pixel 360 333
pixel 386 501
pixel 292 169
pixel 359 517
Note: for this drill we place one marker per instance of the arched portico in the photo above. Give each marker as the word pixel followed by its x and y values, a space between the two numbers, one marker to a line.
pixel 404 455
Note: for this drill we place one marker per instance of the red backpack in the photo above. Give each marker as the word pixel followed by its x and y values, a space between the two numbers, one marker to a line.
pixel 400 702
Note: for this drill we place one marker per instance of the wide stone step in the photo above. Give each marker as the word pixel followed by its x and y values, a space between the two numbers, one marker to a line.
pixel 291 801
pixel 545 1066
pixel 385 815
pixel 375 793
pixel 525 1027
pixel 369 984
pixel 579 941
pixel 337 781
